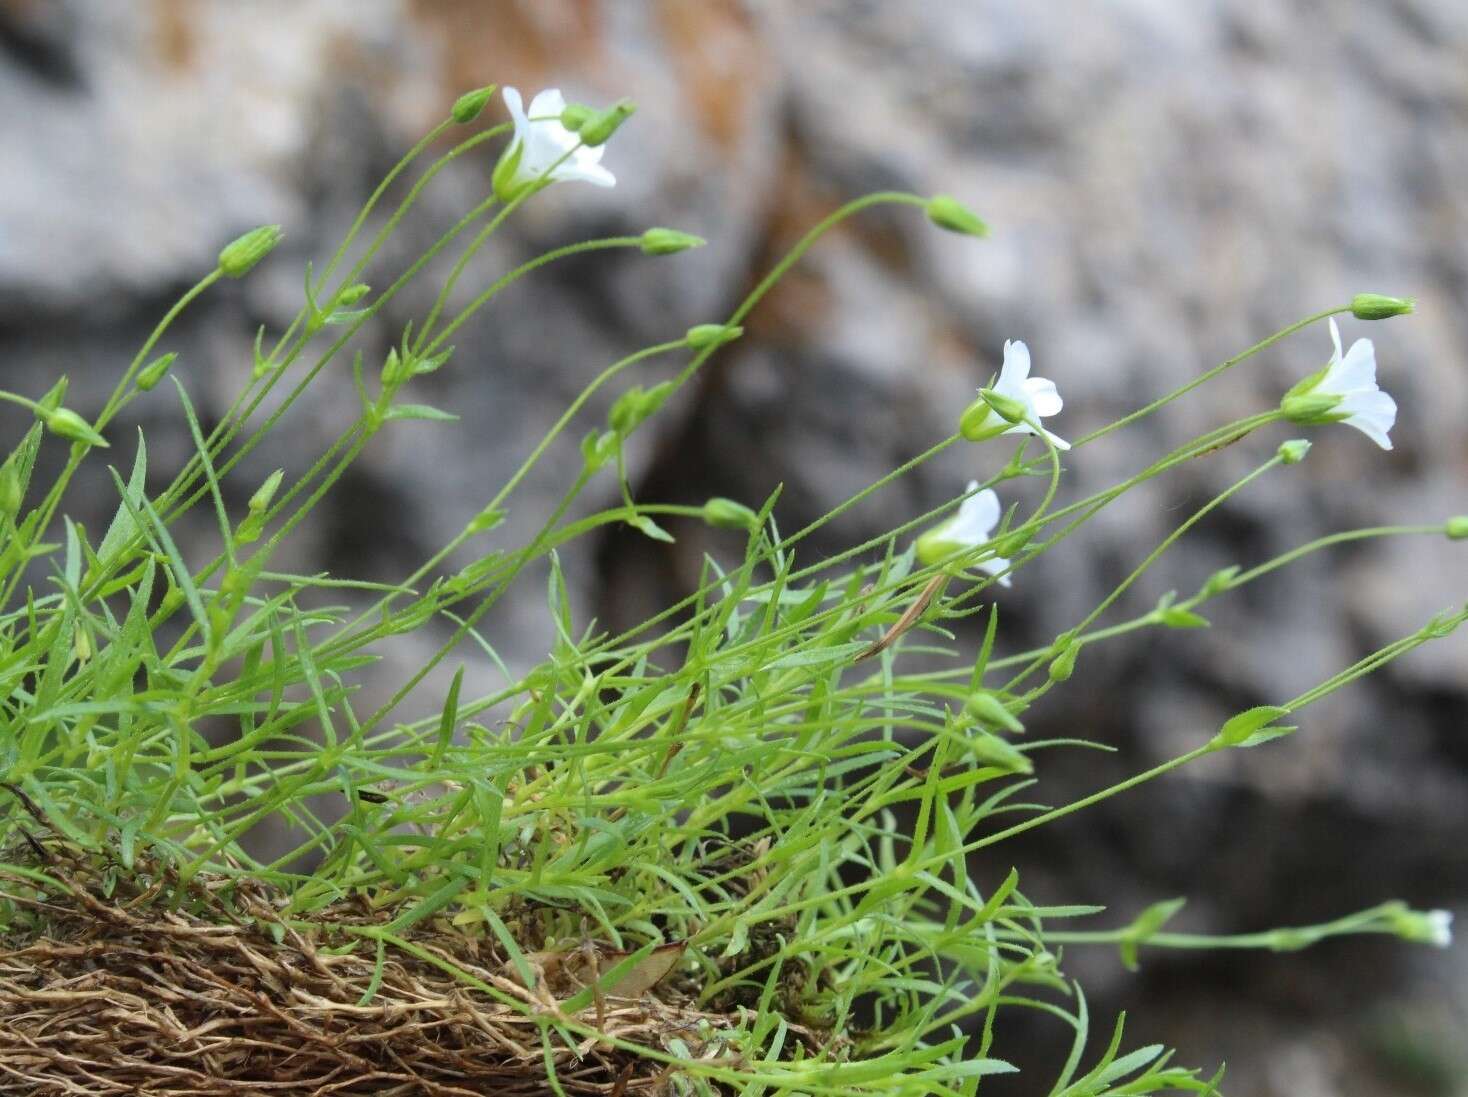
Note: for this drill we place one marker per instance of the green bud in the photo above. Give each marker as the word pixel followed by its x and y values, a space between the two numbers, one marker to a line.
pixel 1012 544
pixel 1006 407
pixel 978 423
pixel 951 214
pixel 467 107
pixel 393 370
pixel 1064 664
pixel 503 179
pixel 1251 727
pixel 597 129
pixel 576 115
pixel 1375 306
pixel 1177 617
pixel 352 294
pixel 635 405
pixel 68 424
pixel 486 520
pixel 727 514
pixel 702 336
pixel 597 448
pixel 154 371
pixel 260 501
pixel 428 365
pixel 1310 408
pixel 1220 581
pixel 991 710
pixel 250 528
pixel 991 750
pixel 240 255
pixel 658 241
pixel 1457 528
pixel 11 492
pixel 1293 451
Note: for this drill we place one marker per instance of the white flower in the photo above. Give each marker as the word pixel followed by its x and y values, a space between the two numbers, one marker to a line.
pixel 1440 927
pixel 1352 377
pixel 1037 395
pixel 972 526
pixel 542 141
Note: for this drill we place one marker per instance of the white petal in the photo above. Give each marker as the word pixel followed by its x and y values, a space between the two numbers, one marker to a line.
pixel 586 173
pixel 1356 370
pixel 1016 362
pixel 1020 428
pixel 548 104
pixel 1335 337
pixel 1440 927
pixel 1055 439
pixel 1372 412
pixel 994 565
pixel 979 513
pixel 515 105
pixel 1044 397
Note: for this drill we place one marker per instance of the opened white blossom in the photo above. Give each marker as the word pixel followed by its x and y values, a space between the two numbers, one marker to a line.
pixel 1350 378
pixel 1036 395
pixel 972 526
pixel 541 145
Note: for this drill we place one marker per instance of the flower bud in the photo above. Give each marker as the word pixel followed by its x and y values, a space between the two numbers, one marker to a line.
pixel 487 519
pixel 393 369
pixel 1457 528
pixel 172 599
pixel 991 750
pixel 727 514
pixel 597 448
pixel 1064 664
pixel 991 710
pixel 1293 451
pixel 352 294
pixel 12 494
pixel 260 501
pixel 1428 927
pixel 576 115
pixel 635 405
pixel 703 336
pixel 467 107
pixel 1375 306
pixel 1220 581
pixel 1178 617
pixel 240 255
pixel 1006 407
pixel 1310 408
pixel 658 241
pixel 951 214
pixel 154 371
pixel 598 129
pixel 68 424
pixel 1012 544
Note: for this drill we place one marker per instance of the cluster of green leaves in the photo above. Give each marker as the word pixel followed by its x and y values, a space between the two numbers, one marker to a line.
pixel 758 773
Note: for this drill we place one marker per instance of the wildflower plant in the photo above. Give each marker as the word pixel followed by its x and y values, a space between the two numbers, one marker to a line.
pixel 725 851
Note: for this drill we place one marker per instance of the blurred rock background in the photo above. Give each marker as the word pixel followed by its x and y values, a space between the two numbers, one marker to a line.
pixel 1168 183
